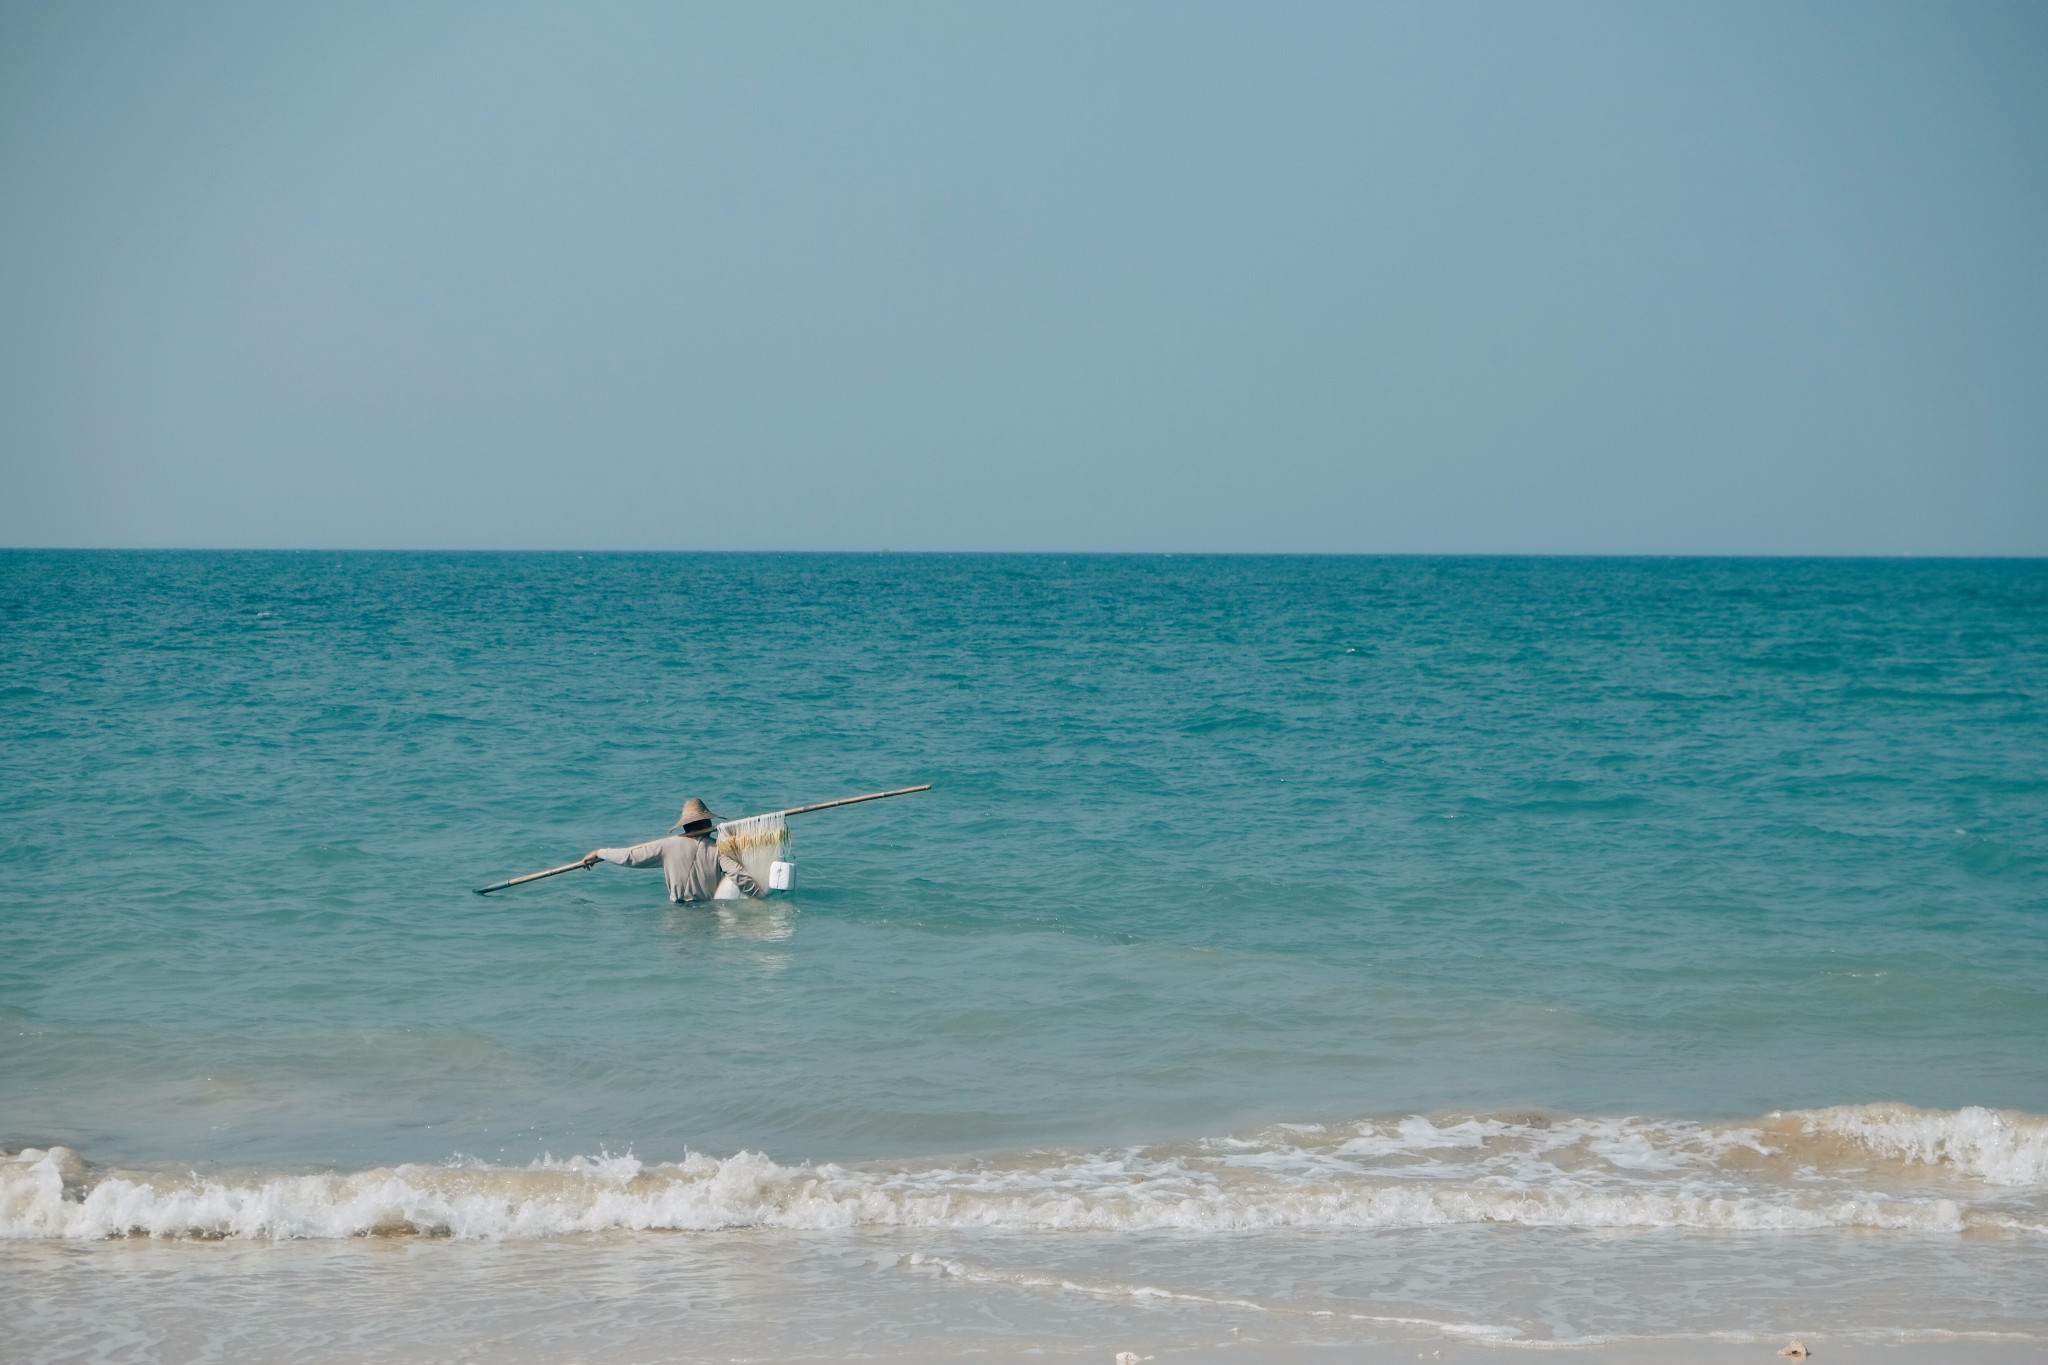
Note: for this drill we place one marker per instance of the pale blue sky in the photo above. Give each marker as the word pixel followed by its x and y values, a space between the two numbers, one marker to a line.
pixel 1766 278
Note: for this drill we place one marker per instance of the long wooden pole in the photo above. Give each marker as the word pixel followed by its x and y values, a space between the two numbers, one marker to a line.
pixel 849 801
pixel 793 810
pixel 532 877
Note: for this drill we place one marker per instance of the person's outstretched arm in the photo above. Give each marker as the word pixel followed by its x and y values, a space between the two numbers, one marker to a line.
pixel 639 855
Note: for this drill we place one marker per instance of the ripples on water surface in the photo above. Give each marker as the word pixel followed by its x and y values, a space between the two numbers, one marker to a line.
pixel 1215 845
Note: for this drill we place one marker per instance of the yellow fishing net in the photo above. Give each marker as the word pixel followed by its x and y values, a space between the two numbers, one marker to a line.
pixel 756 841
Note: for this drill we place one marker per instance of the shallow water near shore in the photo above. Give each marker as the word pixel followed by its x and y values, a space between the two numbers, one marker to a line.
pixel 1513 951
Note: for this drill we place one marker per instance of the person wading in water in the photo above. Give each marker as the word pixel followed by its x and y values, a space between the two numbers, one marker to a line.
pixel 688 857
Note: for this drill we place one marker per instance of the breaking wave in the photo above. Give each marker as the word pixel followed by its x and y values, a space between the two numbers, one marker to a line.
pixel 1996 1146
pixel 1877 1167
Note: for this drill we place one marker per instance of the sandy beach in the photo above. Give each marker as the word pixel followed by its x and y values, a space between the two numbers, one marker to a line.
pixel 1665 1351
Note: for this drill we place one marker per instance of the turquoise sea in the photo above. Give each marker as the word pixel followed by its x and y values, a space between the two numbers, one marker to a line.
pixel 1519 951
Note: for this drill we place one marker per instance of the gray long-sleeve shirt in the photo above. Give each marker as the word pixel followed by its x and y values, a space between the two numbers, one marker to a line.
pixel 692 864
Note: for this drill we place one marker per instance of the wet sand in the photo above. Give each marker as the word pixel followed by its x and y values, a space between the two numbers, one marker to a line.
pixel 1944 1351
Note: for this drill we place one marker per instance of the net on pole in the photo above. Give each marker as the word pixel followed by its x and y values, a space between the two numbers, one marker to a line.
pixel 756 841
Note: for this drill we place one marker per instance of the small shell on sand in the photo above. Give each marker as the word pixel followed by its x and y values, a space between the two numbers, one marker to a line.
pixel 1796 1349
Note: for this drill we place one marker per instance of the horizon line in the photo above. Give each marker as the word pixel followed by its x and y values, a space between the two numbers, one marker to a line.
pixel 1916 555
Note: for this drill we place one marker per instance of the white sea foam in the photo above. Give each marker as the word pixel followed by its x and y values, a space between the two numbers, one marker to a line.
pixel 955 1268
pixel 1996 1146
pixel 1803 1170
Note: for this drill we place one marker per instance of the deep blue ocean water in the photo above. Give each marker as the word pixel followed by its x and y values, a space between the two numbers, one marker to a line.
pixel 1213 844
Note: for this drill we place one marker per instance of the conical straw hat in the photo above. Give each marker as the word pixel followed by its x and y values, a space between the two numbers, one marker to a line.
pixel 695 813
